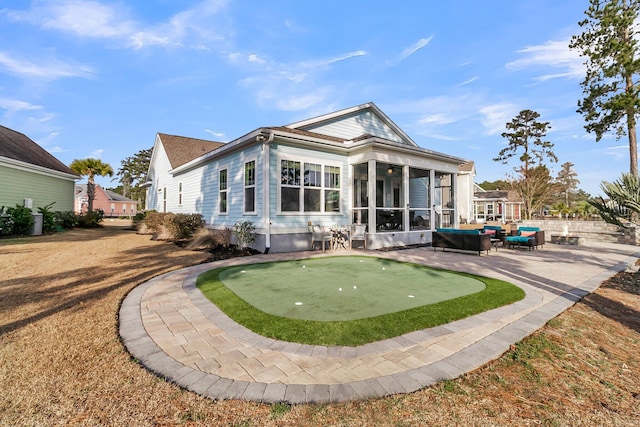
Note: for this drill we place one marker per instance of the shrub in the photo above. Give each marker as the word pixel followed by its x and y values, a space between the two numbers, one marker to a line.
pixel 91 219
pixel 21 219
pixel 5 221
pixel 182 226
pixel 48 217
pixel 170 226
pixel 245 233
pixel 66 219
pixel 206 239
pixel 152 222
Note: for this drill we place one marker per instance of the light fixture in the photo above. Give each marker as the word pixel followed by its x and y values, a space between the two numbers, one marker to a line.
pixel 390 170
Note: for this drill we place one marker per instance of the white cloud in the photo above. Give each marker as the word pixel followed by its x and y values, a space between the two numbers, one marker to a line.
pixel 17 105
pixel 214 133
pixel 554 54
pixel 50 69
pixel 193 27
pixel 414 48
pixel 97 154
pixel 56 149
pixel 438 119
pixel 466 82
pixel 80 17
pixel 332 60
pixel 495 116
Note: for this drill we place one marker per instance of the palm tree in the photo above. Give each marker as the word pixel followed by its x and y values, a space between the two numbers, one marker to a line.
pixel 90 168
pixel 623 200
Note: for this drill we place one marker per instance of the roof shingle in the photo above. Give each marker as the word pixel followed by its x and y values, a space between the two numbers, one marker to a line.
pixel 17 146
pixel 181 149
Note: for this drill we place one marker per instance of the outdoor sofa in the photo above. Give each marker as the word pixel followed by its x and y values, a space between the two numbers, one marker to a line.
pixel 467 240
pixel 529 237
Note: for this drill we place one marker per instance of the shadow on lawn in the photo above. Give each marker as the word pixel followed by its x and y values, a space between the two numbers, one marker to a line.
pixel 74 287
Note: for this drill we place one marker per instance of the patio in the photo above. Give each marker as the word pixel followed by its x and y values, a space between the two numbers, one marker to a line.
pixel 169 326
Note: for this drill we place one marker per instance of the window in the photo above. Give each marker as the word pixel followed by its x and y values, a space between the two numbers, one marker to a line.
pixel 312 184
pixel 332 189
pixel 222 187
pixel 250 186
pixel 317 191
pixel 290 186
pixel 179 194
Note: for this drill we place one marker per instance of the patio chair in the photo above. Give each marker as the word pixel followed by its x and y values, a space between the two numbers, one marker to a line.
pixel 358 232
pixel 319 234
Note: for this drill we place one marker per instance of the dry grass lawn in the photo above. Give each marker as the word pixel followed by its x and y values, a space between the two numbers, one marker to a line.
pixel 62 363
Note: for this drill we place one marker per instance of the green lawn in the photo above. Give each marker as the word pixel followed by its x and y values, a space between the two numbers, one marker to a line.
pixel 348 300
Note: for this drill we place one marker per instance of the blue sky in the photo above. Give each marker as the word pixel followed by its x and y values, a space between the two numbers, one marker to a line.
pixel 101 78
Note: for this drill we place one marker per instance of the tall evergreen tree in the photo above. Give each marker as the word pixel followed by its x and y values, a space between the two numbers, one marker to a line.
pixel 90 168
pixel 567 180
pixel 609 43
pixel 525 136
pixel 132 172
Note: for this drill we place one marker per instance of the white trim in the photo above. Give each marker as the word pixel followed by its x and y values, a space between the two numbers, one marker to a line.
pixel 221 168
pixel 29 167
pixel 254 186
pixel 302 159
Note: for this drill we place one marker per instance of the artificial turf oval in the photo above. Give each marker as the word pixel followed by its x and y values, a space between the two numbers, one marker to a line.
pixel 491 294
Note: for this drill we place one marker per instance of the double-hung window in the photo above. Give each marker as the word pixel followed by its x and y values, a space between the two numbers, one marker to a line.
pixel 332 189
pixel 223 190
pixel 309 187
pixel 312 187
pixel 250 187
pixel 289 186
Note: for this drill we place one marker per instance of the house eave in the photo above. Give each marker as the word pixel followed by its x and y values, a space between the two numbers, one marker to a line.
pixel 29 167
pixel 344 147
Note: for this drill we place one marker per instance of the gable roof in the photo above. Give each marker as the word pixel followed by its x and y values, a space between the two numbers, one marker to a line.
pixel 17 146
pixel 182 149
pixel 356 122
pixel 81 192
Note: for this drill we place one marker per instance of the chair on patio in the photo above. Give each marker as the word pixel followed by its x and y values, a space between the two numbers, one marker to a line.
pixel 358 233
pixel 319 234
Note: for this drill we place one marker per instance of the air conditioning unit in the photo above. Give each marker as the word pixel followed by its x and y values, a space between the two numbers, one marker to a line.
pixel 28 203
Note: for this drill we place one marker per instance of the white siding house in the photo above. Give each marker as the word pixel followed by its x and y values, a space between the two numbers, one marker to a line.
pixel 349 166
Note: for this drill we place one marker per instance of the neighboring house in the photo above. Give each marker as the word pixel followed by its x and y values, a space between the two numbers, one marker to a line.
pixel 30 176
pixel 496 205
pixel 113 204
pixel 350 166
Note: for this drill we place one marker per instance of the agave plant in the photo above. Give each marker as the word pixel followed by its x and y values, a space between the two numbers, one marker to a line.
pixel 623 200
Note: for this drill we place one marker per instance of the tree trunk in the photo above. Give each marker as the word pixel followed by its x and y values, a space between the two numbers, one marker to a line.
pixel 633 145
pixel 91 193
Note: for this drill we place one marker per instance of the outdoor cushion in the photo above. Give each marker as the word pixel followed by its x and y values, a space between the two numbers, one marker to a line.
pixel 517 239
pixel 527 233
pixel 487 231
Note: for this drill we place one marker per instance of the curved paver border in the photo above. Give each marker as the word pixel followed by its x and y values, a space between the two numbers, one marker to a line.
pixel 529 315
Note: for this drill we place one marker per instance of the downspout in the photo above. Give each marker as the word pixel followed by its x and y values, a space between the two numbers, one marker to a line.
pixel 266 196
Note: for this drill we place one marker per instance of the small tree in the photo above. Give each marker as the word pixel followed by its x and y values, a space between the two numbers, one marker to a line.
pixel 611 97
pixel 90 168
pixel 567 181
pixel 535 187
pixel 245 233
pixel 525 136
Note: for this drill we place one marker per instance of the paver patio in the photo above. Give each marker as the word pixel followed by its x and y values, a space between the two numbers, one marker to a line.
pixel 174 331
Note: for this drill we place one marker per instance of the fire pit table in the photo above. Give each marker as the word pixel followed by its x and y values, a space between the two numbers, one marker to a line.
pixel 563 239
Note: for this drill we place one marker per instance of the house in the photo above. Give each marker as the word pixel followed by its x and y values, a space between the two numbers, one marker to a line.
pixel 30 176
pixel 112 204
pixel 496 205
pixel 349 166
